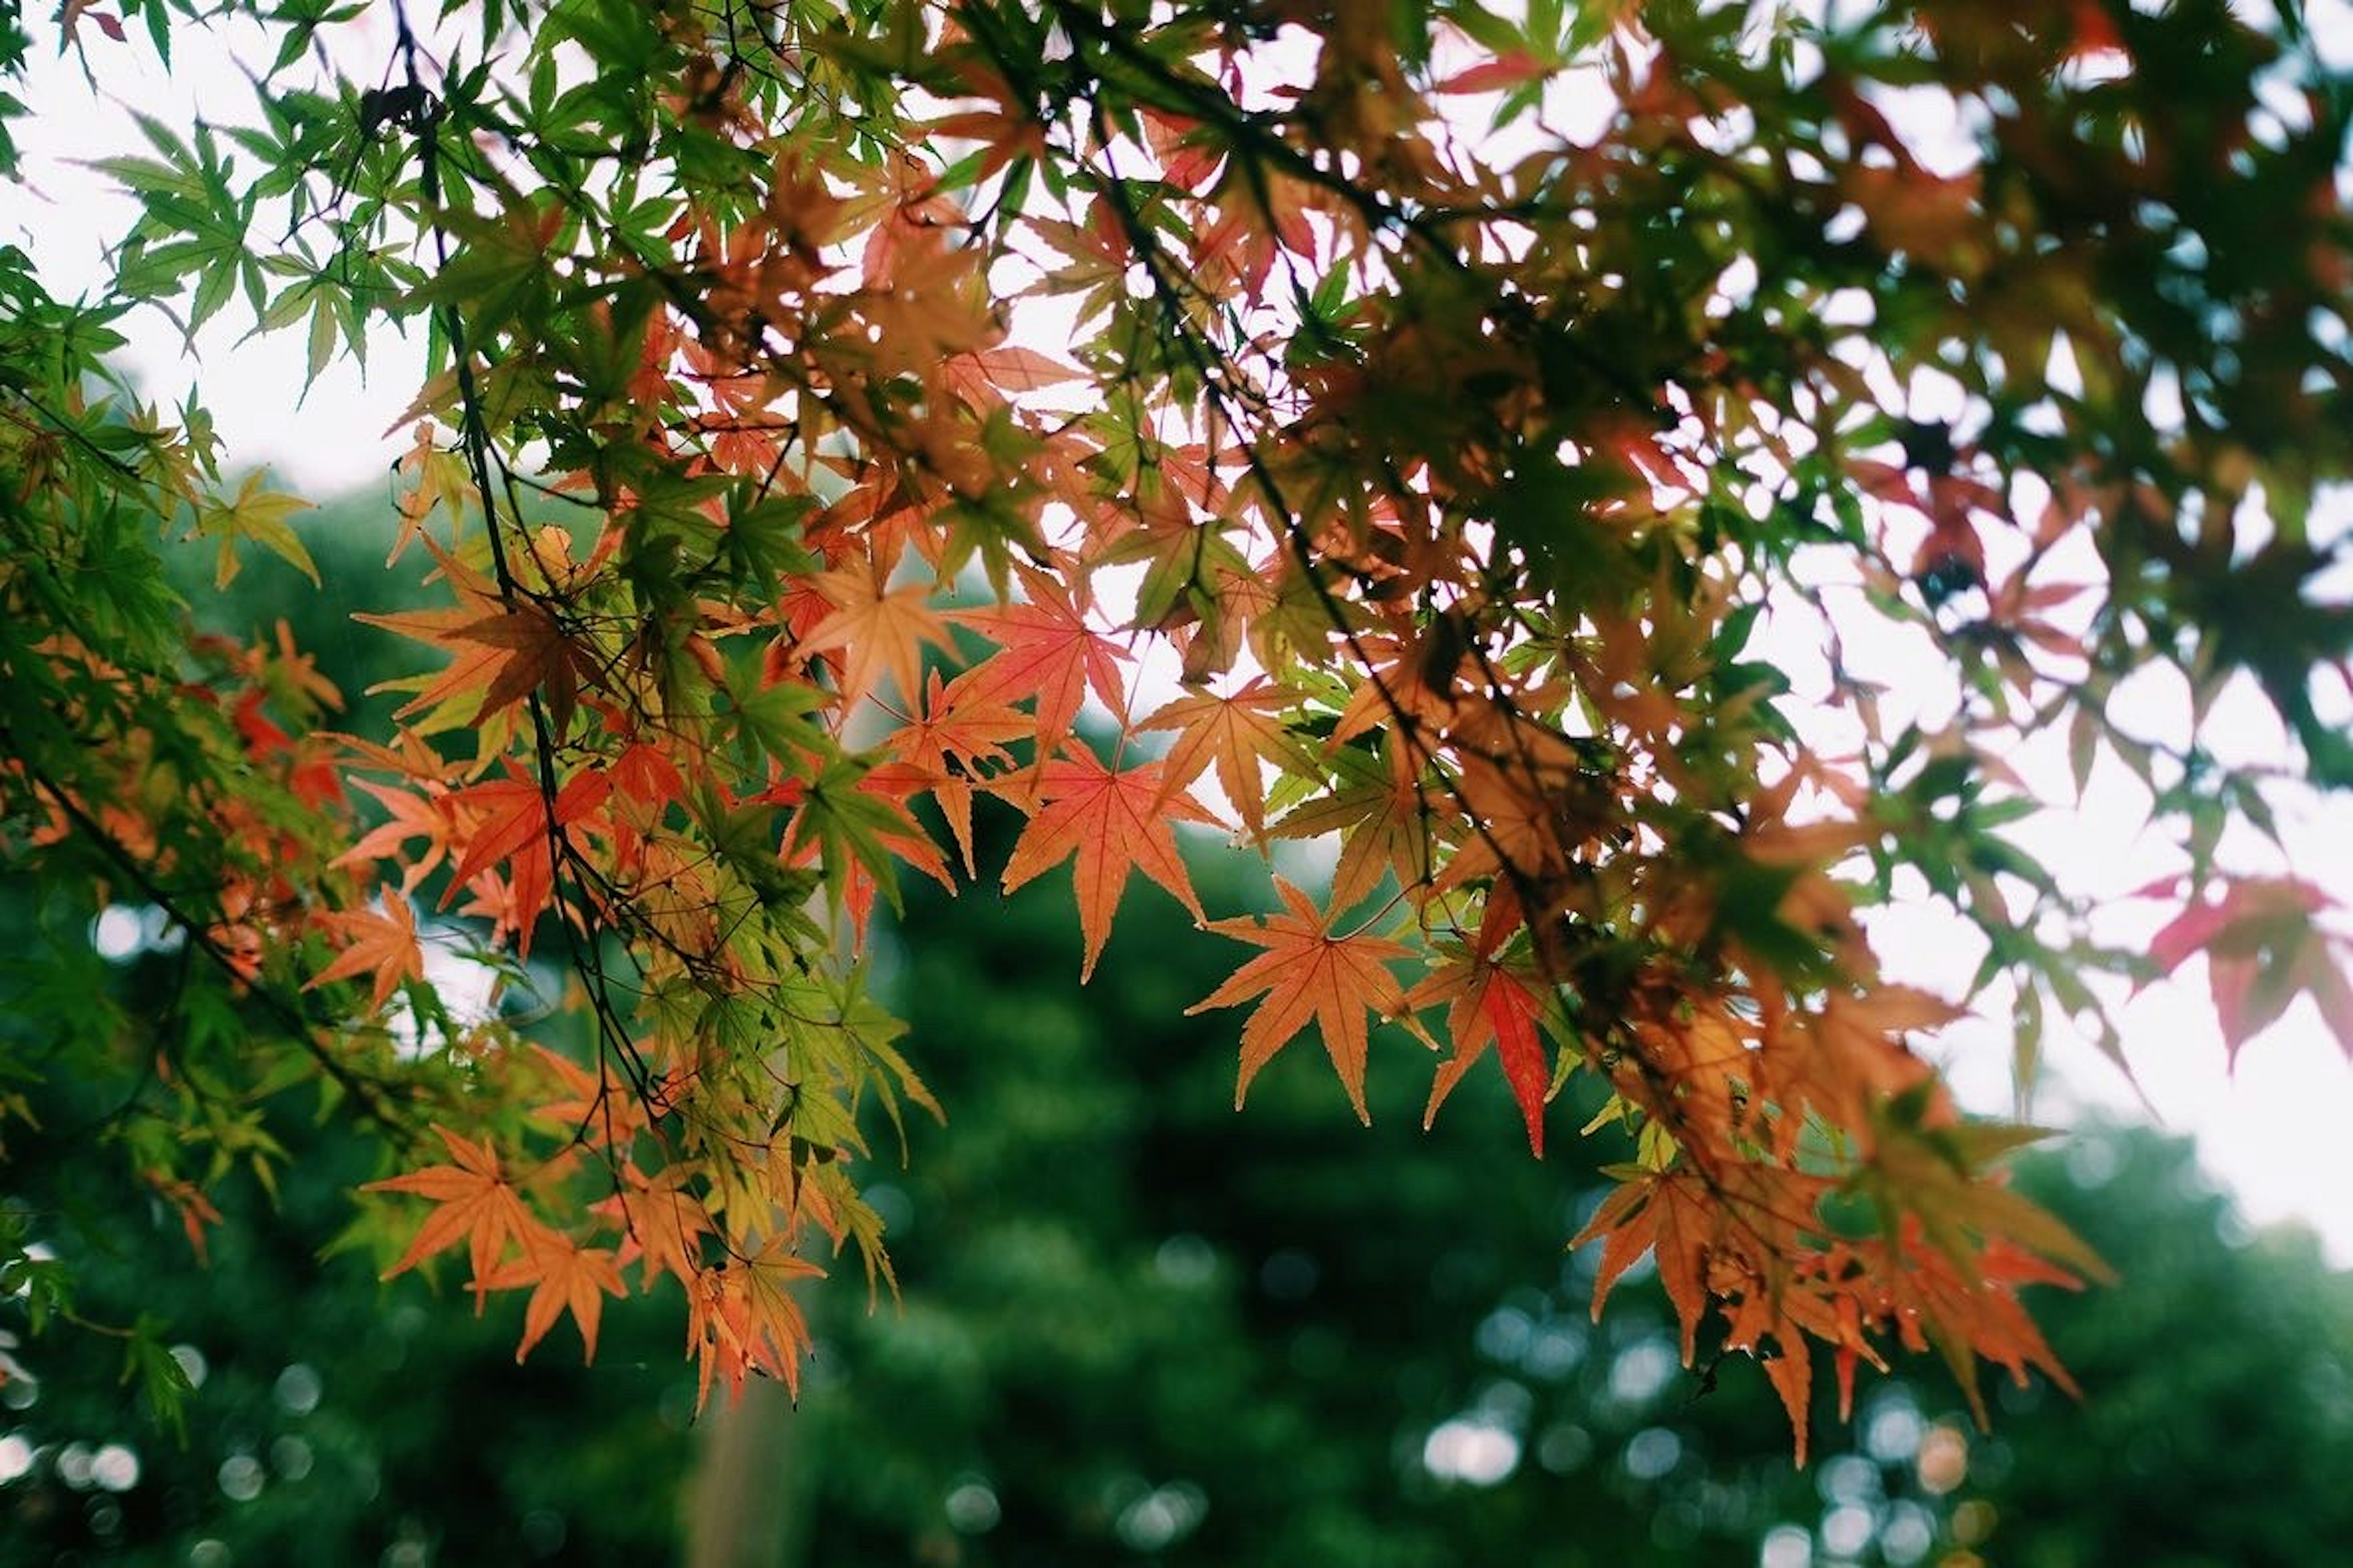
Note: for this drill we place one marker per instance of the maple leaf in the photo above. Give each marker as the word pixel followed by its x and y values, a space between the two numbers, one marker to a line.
pixel 1513 68
pixel 512 815
pixel 982 376
pixel 188 1201
pixel 564 1277
pixel 1114 822
pixel 1386 824
pixel 259 515
pixel 1234 734
pixel 505 652
pixel 411 818
pixel 1307 972
pixel 441 479
pixel 1487 1001
pixel 386 943
pixel 2263 948
pixel 70 13
pixel 646 775
pixel 742 1319
pixel 955 739
pixel 882 630
pixel 589 1106
pixel 662 1223
pixel 478 1205
pixel 1048 651
pixel 1006 130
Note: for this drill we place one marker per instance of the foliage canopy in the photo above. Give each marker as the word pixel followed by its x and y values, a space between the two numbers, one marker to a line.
pixel 1541 450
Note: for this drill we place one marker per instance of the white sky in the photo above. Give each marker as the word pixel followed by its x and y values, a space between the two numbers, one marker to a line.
pixel 2280 1131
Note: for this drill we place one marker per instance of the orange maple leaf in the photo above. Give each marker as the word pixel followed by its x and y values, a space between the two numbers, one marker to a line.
pixel 1384 825
pixel 1307 972
pixel 957 737
pixel 425 816
pixel 1047 651
pixel 505 652
pixel 479 1206
pixel 742 1319
pixel 1114 822
pixel 882 630
pixel 663 1222
pixel 386 943
pixel 566 1277
pixel 1235 735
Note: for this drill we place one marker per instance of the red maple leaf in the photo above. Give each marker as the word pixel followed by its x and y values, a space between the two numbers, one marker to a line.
pixel 2263 948
pixel 955 740
pixel 1486 1002
pixel 1046 650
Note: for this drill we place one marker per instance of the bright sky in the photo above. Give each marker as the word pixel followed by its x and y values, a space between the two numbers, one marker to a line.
pixel 2279 1132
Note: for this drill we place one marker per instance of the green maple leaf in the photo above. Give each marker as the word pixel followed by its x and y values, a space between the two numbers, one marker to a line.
pixel 260 516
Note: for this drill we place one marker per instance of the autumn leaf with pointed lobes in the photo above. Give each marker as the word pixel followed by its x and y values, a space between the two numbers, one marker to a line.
pixel 1386 824
pixel 424 817
pixel 1487 1001
pixel 741 1319
pixel 1666 1211
pixel 1938 1174
pixel 1046 650
pixel 662 1221
pixel 880 630
pixel 983 378
pixel 1007 129
pixel 2263 948
pixel 441 479
pixel 564 1278
pixel 1308 973
pixel 505 652
pixel 958 739
pixel 1509 68
pixel 588 1106
pixel 477 1206
pixel 1408 692
pixel 383 943
pixel 1115 822
pixel 1234 734
pixel 1962 1313
pixel 1849 1056
pixel 645 773
pixel 1534 806
pixel 510 814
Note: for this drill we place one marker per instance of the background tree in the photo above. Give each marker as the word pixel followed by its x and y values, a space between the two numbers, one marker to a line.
pixel 1497 492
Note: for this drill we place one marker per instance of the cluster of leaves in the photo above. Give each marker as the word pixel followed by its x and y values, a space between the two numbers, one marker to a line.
pixel 1451 456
